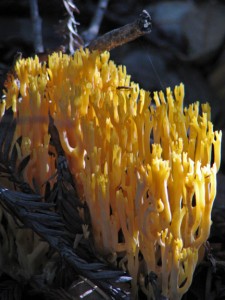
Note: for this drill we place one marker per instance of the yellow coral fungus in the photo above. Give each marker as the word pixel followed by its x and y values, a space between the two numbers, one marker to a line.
pixel 144 170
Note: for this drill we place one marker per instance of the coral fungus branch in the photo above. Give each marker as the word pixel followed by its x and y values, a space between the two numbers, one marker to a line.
pixel 150 197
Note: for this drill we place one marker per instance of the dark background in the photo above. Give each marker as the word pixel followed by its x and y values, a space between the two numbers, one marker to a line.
pixel 187 44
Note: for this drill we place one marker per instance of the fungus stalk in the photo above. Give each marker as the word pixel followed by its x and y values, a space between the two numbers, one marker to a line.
pixel 152 197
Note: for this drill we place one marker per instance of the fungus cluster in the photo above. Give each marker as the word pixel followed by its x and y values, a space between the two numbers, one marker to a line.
pixel 146 167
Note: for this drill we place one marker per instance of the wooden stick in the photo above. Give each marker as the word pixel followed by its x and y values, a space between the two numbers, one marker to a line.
pixel 122 35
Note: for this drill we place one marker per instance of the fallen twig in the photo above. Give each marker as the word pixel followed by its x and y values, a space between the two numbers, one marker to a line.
pixel 123 34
